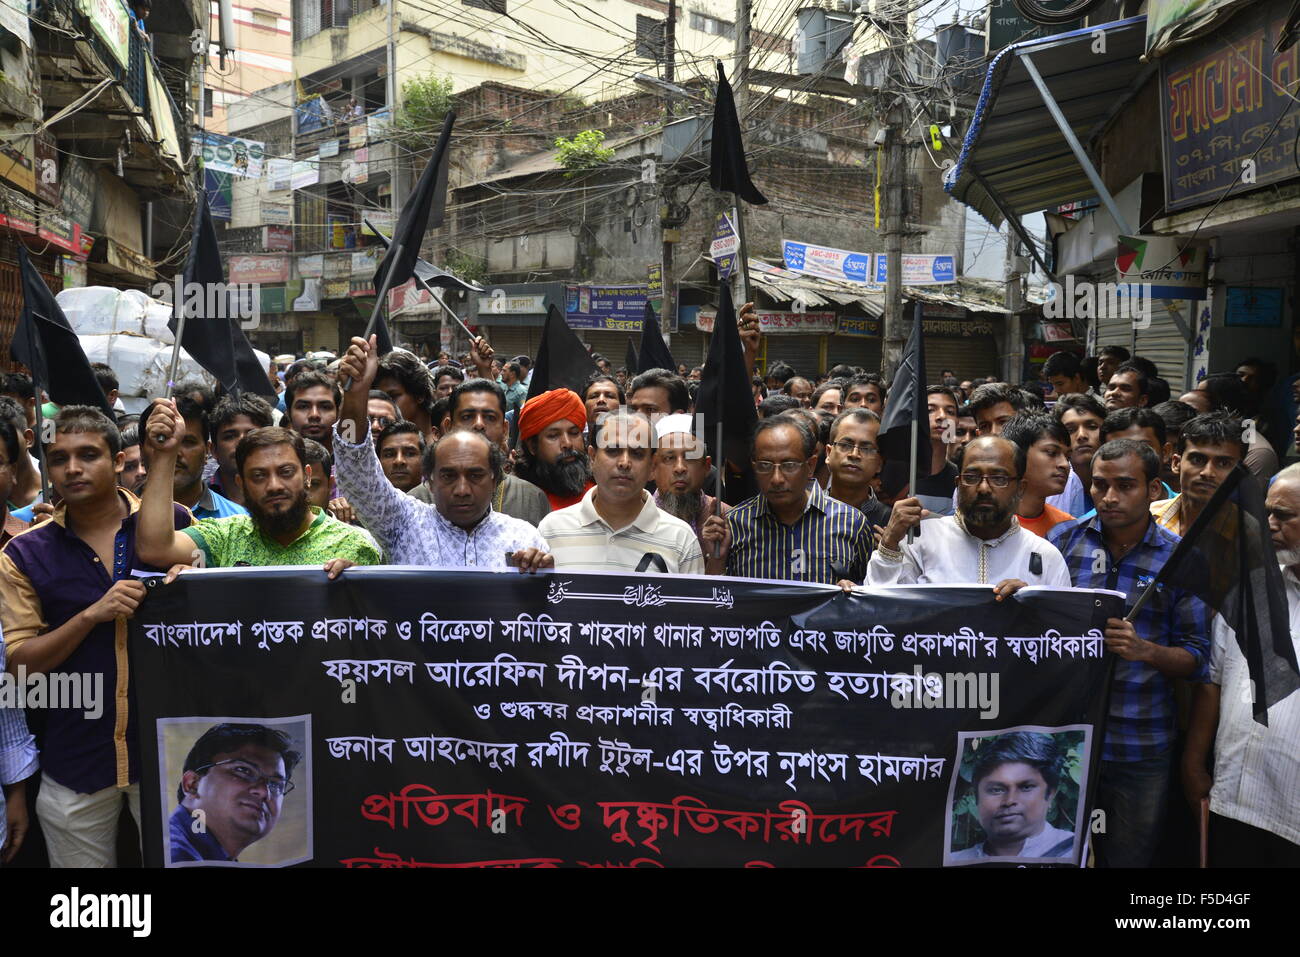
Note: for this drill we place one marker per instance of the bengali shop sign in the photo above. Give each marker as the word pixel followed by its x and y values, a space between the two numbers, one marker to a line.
pixel 459 718
pixel 1220 97
pixel 778 322
pixel 617 308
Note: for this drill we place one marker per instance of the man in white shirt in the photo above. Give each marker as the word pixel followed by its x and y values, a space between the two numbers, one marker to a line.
pixel 460 528
pixel 983 543
pixel 617 526
pixel 1254 812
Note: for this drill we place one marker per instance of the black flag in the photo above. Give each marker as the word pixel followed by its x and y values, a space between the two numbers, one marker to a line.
pixel 45 343
pixel 654 352
pixel 563 362
pixel 1227 560
pixel 424 210
pixel 906 404
pixel 426 272
pixel 216 342
pixel 726 396
pixel 630 359
pixel 728 171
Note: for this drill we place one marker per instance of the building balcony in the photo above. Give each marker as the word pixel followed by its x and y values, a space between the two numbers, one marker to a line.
pixel 113 86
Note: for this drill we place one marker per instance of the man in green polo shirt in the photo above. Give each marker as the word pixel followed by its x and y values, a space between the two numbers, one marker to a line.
pixel 281 527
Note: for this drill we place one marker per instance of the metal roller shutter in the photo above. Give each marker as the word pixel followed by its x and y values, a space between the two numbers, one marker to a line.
pixel 1111 330
pixel 511 341
pixel 689 345
pixel 861 351
pixel 803 353
pixel 1163 344
pixel 968 358
pixel 611 345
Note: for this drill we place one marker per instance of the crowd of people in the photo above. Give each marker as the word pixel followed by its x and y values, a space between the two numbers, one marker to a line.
pixel 1085 478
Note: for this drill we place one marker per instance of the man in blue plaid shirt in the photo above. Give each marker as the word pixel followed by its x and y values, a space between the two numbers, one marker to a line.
pixel 1122 549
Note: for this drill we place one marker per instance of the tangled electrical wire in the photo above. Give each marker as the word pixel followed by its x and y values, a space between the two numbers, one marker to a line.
pixel 1052 13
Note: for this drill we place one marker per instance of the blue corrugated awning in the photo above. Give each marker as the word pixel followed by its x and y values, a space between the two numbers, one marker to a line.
pixel 1015 159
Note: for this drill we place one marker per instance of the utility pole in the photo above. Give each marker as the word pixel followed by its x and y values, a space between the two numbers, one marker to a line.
pixel 1015 301
pixel 668 216
pixel 895 159
pixel 740 90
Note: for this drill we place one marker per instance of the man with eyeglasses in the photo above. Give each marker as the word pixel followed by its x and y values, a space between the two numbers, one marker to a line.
pixel 792 530
pixel 854 460
pixel 982 543
pixel 382 412
pixel 234 781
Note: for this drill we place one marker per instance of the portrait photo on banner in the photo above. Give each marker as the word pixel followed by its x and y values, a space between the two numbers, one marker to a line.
pixel 1016 796
pixel 236 792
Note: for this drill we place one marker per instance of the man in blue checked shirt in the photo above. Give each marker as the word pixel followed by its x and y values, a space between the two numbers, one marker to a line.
pixel 18 762
pixel 1122 548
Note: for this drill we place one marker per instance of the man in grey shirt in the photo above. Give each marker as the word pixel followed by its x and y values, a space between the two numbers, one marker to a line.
pixel 480 405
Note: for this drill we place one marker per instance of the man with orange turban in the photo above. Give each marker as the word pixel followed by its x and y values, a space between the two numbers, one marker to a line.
pixel 553 454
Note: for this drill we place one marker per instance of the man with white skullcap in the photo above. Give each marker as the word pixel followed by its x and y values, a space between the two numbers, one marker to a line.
pixel 681 472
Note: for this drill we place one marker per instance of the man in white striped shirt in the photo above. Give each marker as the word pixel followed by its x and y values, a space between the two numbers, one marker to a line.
pixel 1254 812
pixel 617 526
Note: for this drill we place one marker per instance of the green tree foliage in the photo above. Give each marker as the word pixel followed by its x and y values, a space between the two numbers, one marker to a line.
pixel 585 151
pixel 466 266
pixel 425 101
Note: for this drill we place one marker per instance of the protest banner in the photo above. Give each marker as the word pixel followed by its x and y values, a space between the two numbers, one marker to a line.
pixel 464 718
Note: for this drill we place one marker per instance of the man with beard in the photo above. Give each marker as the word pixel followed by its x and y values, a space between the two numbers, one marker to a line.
pixel 400 448
pixel 188 488
pixel 983 543
pixel 681 469
pixel 1123 549
pixel 552 450
pixel 617 526
pixel 281 527
pixel 313 402
pixel 463 469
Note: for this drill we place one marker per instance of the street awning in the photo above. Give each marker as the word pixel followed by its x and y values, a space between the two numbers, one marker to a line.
pixel 1016 158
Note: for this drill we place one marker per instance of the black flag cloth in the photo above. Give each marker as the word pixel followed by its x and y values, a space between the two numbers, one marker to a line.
pixel 728 171
pixel 45 343
pixel 726 396
pixel 423 210
pixel 906 404
pixel 217 343
pixel 1227 559
pixel 654 352
pixel 630 359
pixel 563 362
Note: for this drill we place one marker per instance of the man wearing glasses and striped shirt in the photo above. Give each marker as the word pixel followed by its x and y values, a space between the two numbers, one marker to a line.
pixel 792 530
